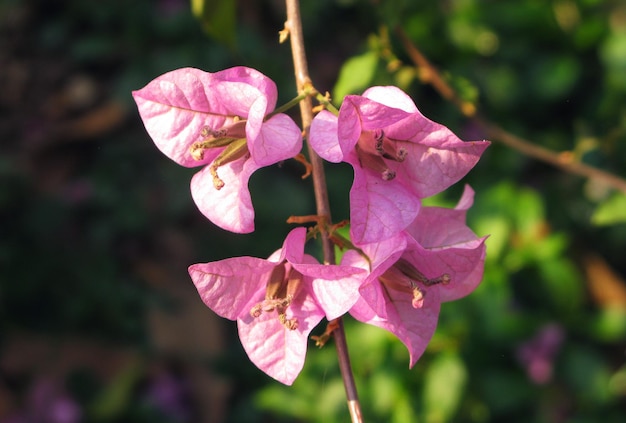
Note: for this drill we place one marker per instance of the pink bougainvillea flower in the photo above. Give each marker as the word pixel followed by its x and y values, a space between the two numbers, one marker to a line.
pixel 217 120
pixel 398 155
pixel 437 259
pixel 278 301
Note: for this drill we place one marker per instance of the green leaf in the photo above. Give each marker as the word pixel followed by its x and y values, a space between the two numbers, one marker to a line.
pixel 617 384
pixel 555 76
pixel 218 19
pixel 444 384
pixel 611 212
pixel 608 325
pixel 587 374
pixel 355 75
pixel 404 77
pixel 614 57
pixel 563 285
pixel 504 390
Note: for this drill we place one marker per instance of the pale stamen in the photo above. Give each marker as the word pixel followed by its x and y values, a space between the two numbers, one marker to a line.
pixel 373 146
pixel 404 277
pixel 283 284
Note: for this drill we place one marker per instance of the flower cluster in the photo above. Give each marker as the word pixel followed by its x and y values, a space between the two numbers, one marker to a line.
pixel 407 259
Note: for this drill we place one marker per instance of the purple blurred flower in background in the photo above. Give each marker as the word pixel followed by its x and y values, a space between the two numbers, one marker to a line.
pixel 538 353
pixel 47 402
pixel 170 394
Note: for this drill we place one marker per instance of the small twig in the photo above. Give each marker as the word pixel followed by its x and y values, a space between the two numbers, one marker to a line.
pixel 563 161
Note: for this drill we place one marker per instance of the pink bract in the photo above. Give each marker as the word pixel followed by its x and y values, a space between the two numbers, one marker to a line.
pixel 237 288
pixel 179 107
pixel 437 259
pixel 398 155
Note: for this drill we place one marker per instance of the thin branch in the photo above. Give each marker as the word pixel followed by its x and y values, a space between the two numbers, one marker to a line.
pixel 563 161
pixel 303 81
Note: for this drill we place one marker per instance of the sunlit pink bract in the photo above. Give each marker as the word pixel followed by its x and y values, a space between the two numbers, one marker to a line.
pixel 177 107
pixel 398 155
pixel 436 243
pixel 235 288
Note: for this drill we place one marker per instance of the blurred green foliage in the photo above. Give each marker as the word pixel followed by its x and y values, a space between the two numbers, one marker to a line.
pixel 84 212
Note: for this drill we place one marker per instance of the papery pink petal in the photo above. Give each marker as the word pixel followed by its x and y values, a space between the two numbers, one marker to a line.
pixel 444 227
pixel 414 327
pixel 393 310
pixel 382 256
pixel 293 246
pixel 378 209
pixel 229 208
pixel 311 267
pixel 467 199
pixel 256 114
pixel 463 263
pixel 337 296
pixel 229 286
pixel 174 113
pixel 349 127
pixel 277 351
pixel 372 114
pixel 445 244
pixel 336 287
pixel 429 170
pixel 359 114
pixel 323 137
pixel 391 97
pixel 176 106
pixel 235 91
pixel 278 139
pixel 352 258
pixel 292 249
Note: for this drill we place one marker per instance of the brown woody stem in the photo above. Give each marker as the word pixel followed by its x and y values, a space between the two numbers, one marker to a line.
pixel 303 82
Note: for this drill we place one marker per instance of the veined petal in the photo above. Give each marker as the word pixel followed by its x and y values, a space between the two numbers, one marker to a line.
pixel 414 327
pixel 237 96
pixel 228 287
pixel 442 243
pixel 430 170
pixel 335 287
pixel 393 310
pixel 391 96
pixel 323 137
pixel 278 351
pixel 383 134
pixel 229 208
pixel 466 200
pixel 371 114
pixel 256 114
pixel 177 105
pixel 277 139
pixel 293 246
pixel 337 296
pixel 464 264
pixel 379 209
pixel 443 227
pixel 349 127
pixel 382 256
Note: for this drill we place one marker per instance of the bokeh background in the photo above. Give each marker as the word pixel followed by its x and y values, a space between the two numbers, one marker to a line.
pixel 99 321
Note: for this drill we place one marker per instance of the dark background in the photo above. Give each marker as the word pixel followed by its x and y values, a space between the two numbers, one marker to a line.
pixel 99 321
